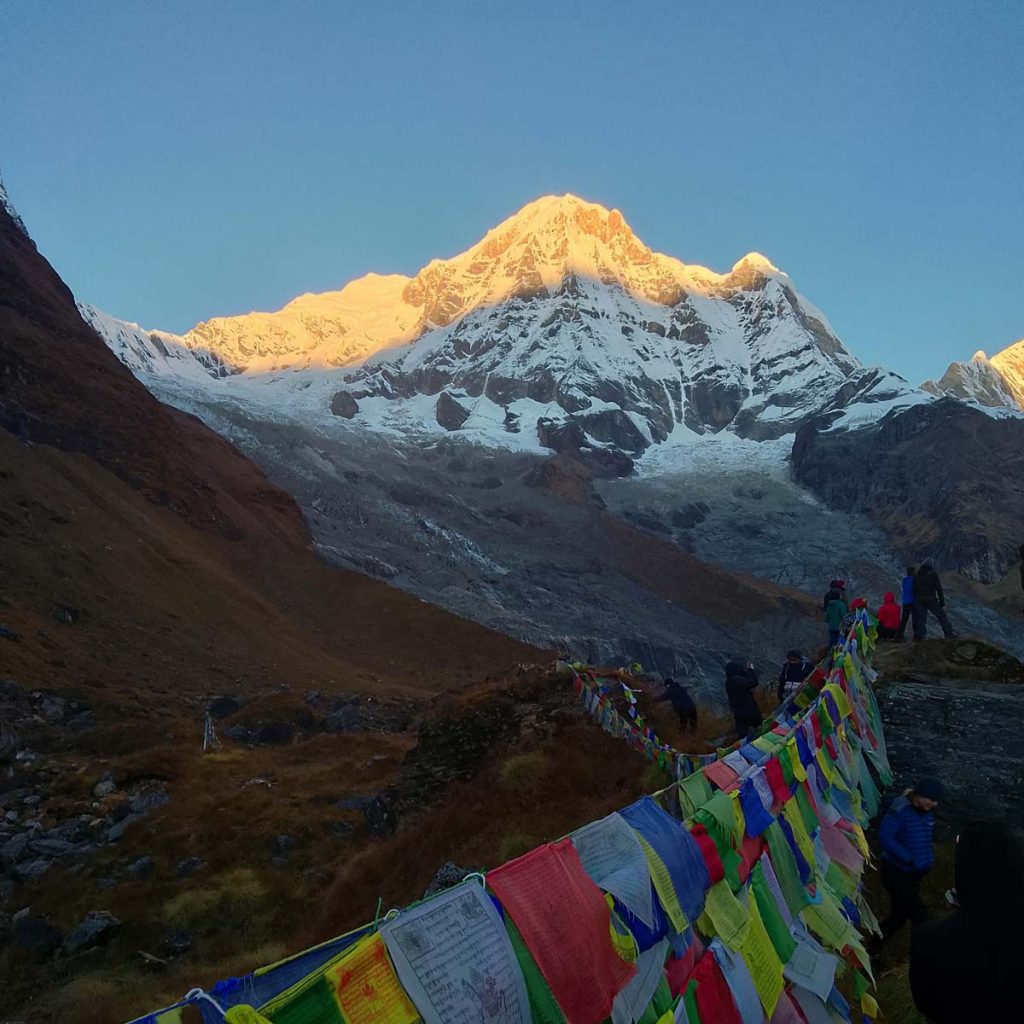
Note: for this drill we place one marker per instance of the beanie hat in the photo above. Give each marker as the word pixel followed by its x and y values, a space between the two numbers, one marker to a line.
pixel 930 789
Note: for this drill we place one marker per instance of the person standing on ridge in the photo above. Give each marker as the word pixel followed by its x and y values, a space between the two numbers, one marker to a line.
pixel 928 597
pixel 836 588
pixel 835 612
pixel 889 618
pixel 967 966
pixel 682 703
pixel 1021 553
pixel 795 670
pixel 907 854
pixel 907 600
pixel 740 683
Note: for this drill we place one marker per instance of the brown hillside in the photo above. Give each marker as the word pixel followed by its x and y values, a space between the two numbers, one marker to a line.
pixel 189 570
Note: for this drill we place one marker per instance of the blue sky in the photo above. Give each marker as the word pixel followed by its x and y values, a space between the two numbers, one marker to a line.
pixel 177 160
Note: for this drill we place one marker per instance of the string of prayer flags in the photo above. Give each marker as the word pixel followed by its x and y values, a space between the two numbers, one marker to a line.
pixel 565 923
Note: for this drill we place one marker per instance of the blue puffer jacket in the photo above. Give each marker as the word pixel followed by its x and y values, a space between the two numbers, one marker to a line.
pixel 908 590
pixel 906 837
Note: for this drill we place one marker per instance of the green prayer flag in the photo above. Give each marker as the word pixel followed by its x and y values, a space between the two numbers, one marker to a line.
pixel 774 922
pixel 690 999
pixel 543 1007
pixel 313 1005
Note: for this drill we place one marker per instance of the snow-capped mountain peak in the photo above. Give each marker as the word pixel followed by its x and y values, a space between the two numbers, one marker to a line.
pixel 560 327
pixel 995 383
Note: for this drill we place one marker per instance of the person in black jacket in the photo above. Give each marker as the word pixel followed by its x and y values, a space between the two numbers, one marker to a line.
pixel 966 967
pixel 1021 553
pixel 740 684
pixel 928 597
pixel 682 703
pixel 794 671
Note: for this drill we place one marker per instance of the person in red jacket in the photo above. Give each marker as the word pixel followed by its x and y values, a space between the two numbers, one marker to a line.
pixel 889 616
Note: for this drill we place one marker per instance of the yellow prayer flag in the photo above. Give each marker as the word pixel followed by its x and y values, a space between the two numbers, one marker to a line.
pixel 741 822
pixel 366 987
pixel 869 1004
pixel 799 771
pixel 726 915
pixel 241 1014
pixel 663 886
pixel 762 959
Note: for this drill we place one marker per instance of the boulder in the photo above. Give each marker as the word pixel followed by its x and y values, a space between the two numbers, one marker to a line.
pixel 344 405
pixel 97 928
pixel 15 849
pixel 189 866
pixel 104 787
pixel 221 707
pixel 140 869
pixel 450 413
pixel 29 870
pixel 448 875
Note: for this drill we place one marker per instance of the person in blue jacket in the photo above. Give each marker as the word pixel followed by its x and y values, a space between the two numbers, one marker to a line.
pixel 907 600
pixel 907 854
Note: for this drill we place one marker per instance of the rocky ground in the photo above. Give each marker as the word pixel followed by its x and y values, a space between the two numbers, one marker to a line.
pixel 128 876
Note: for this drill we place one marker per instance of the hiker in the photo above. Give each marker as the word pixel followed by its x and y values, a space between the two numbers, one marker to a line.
pixel 740 684
pixel 795 670
pixel 836 588
pixel 1021 553
pixel 889 618
pixel 928 597
pixel 835 612
pixel 907 855
pixel 682 703
pixel 907 600
pixel 967 966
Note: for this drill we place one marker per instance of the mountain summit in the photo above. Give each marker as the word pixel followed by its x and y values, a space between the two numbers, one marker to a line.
pixel 995 383
pixel 559 328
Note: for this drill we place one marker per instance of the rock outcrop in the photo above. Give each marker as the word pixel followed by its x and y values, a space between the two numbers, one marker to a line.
pixel 943 480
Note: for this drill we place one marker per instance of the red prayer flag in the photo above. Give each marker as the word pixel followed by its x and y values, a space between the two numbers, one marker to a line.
pixel 776 782
pixel 564 922
pixel 708 850
pixel 714 998
pixel 679 969
pixel 750 851
pixel 721 775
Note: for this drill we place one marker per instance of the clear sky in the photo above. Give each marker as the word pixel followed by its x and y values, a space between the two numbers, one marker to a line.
pixel 176 160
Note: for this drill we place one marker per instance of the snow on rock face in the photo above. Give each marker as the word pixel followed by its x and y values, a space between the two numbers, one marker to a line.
pixel 990 383
pixel 560 314
pixel 152 353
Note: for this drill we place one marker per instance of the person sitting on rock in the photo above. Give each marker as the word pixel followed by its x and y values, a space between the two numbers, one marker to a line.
pixel 889 618
pixel 967 966
pixel 834 615
pixel 907 854
pixel 907 600
pixel 740 683
pixel 682 703
pixel 928 597
pixel 795 670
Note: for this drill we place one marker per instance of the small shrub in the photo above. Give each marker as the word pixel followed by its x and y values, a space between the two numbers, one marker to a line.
pixel 524 773
pixel 236 894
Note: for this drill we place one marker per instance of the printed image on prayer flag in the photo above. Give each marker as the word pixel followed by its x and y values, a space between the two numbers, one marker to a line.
pixel 456 962
pixel 366 988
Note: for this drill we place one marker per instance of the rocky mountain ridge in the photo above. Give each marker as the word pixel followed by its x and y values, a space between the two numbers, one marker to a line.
pixel 559 330
pixel 996 383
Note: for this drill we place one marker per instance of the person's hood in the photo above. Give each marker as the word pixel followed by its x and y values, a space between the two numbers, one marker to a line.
pixel 735 668
pixel 925 567
pixel 989 871
pixel 890 598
